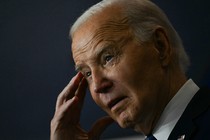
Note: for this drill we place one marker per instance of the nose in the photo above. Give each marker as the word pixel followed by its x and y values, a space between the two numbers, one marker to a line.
pixel 101 83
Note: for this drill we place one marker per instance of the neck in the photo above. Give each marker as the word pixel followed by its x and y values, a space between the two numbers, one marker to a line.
pixel 173 82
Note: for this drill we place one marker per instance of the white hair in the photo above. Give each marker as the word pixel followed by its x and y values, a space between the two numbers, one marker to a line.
pixel 144 17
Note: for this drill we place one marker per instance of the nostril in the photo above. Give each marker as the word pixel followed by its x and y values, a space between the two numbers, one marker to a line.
pixel 104 87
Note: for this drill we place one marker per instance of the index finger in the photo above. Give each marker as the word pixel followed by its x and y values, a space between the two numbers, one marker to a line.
pixel 80 93
pixel 69 91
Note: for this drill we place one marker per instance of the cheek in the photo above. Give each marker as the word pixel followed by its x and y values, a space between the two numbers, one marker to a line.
pixel 95 97
pixel 140 109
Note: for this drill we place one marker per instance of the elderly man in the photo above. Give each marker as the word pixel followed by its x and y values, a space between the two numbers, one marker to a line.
pixel 133 61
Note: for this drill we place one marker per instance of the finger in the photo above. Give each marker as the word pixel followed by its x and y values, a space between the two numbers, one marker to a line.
pixel 80 93
pixel 99 127
pixel 62 116
pixel 70 111
pixel 75 83
pixel 69 91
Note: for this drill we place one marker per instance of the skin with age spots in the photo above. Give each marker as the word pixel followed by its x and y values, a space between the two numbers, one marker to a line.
pixel 129 74
pixel 131 81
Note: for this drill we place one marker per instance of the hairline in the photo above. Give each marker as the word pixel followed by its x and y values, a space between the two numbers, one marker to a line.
pixel 174 38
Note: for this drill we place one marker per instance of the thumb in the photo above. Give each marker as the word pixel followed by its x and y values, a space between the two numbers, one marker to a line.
pixel 98 127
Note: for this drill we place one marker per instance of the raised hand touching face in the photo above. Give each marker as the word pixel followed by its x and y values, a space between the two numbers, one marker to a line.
pixel 65 123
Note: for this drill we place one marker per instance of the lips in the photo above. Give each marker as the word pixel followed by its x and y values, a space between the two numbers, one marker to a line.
pixel 112 103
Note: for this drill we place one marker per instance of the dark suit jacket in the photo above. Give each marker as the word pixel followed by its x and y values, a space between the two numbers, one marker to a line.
pixel 195 121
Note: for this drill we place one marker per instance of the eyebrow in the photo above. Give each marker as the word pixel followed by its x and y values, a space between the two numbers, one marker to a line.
pixel 80 67
pixel 77 68
pixel 96 55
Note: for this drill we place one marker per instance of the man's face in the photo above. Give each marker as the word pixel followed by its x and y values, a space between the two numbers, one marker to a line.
pixel 125 78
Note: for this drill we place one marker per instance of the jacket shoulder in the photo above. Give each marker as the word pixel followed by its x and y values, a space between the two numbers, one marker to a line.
pixel 195 120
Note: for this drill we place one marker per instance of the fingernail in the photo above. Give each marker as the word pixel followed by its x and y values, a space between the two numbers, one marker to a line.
pixel 75 98
pixel 80 74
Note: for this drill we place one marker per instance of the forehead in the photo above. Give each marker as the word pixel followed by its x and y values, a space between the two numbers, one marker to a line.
pixel 99 29
pixel 108 15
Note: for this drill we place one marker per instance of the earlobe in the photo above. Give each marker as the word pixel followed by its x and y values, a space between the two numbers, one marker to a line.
pixel 162 46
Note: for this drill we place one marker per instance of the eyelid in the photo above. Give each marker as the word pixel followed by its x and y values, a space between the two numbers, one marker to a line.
pixel 86 74
pixel 110 56
pixel 84 71
pixel 78 68
pixel 109 52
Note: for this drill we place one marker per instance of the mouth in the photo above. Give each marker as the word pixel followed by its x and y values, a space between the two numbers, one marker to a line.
pixel 114 102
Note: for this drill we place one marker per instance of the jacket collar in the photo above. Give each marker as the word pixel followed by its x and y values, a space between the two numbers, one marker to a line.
pixel 186 125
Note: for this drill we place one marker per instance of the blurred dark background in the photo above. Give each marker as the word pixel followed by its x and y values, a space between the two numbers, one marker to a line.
pixel 36 61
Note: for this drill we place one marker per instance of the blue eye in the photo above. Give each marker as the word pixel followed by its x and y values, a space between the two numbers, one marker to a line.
pixel 108 58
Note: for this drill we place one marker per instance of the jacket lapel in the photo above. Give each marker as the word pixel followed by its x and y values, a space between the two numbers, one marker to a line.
pixel 186 126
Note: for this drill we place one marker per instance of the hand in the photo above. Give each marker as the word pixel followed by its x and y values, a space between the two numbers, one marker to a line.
pixel 65 123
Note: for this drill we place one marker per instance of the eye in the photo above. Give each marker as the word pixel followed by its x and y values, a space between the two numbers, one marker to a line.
pixel 108 58
pixel 87 74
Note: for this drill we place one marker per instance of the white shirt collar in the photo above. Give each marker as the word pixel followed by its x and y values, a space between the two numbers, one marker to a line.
pixel 174 110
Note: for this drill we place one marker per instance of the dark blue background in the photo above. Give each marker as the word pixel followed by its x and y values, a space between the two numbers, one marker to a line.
pixel 36 61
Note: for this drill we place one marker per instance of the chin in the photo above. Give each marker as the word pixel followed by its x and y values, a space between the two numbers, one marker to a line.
pixel 125 121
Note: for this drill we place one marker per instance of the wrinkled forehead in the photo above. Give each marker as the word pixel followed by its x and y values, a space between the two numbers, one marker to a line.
pixel 107 25
pixel 97 14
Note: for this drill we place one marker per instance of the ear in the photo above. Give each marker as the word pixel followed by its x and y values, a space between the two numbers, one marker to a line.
pixel 162 46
